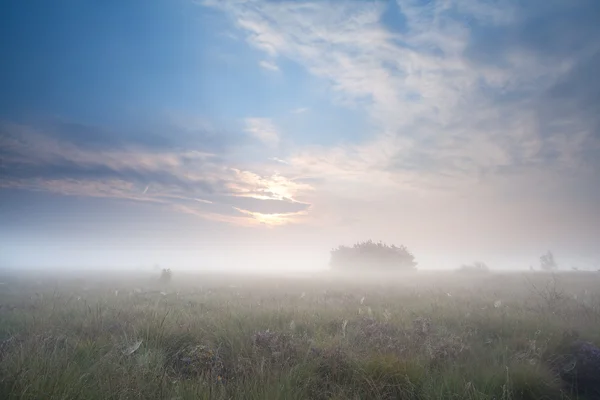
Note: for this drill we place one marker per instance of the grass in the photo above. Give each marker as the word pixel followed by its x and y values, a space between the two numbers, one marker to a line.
pixel 417 336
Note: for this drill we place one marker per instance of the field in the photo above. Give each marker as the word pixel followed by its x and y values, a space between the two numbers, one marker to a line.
pixel 412 336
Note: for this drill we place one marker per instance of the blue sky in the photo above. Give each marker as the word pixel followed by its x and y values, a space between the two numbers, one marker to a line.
pixel 226 131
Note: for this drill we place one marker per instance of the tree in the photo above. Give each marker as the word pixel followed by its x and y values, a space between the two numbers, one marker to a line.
pixel 547 262
pixel 166 275
pixel 372 256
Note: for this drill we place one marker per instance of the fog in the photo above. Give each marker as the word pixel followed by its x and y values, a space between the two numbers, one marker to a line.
pixel 300 199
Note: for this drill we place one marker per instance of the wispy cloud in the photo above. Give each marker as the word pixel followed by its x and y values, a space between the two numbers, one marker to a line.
pixel 273 219
pixel 184 179
pixel 437 108
pixel 279 160
pixel 270 65
pixel 262 129
pixel 203 201
pixel 300 110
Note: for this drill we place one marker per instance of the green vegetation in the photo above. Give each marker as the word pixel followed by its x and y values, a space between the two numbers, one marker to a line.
pixel 419 336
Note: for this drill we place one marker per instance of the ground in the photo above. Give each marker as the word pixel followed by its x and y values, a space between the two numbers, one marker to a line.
pixel 405 336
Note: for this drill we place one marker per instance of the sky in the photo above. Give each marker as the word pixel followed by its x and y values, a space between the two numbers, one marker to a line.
pixel 253 134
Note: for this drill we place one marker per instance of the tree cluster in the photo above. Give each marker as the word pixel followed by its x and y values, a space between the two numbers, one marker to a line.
pixel 370 255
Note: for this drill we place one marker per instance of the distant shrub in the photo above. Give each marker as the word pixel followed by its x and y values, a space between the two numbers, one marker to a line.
pixel 477 267
pixel 547 262
pixel 166 275
pixel 372 256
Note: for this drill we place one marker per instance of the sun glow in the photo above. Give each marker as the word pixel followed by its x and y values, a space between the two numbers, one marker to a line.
pixel 272 219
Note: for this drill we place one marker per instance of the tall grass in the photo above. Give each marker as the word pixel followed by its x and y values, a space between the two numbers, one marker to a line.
pixel 403 337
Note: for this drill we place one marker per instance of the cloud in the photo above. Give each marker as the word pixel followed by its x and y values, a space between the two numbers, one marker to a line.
pixel 267 206
pixel 480 113
pixel 270 65
pixel 262 129
pixel 572 106
pixel 272 219
pixel 37 153
pixel 470 104
pixel 183 179
pixel 278 160
pixel 438 106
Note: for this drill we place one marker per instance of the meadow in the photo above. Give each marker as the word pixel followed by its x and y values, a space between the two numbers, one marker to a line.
pixel 407 336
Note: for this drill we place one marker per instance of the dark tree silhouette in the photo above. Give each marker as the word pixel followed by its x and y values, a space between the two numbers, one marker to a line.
pixel 166 275
pixel 372 256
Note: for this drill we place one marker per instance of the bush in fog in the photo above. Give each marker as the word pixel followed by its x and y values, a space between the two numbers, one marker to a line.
pixel 477 267
pixel 166 275
pixel 372 256
pixel 547 262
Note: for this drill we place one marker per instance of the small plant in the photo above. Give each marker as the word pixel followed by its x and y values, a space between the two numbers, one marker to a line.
pixel 275 347
pixel 551 293
pixel 195 361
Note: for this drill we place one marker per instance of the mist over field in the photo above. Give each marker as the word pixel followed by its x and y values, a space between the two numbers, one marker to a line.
pixel 392 335
pixel 296 199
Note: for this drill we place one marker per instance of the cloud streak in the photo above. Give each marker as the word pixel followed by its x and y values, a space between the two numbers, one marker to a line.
pixel 300 110
pixel 269 65
pixel 184 179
